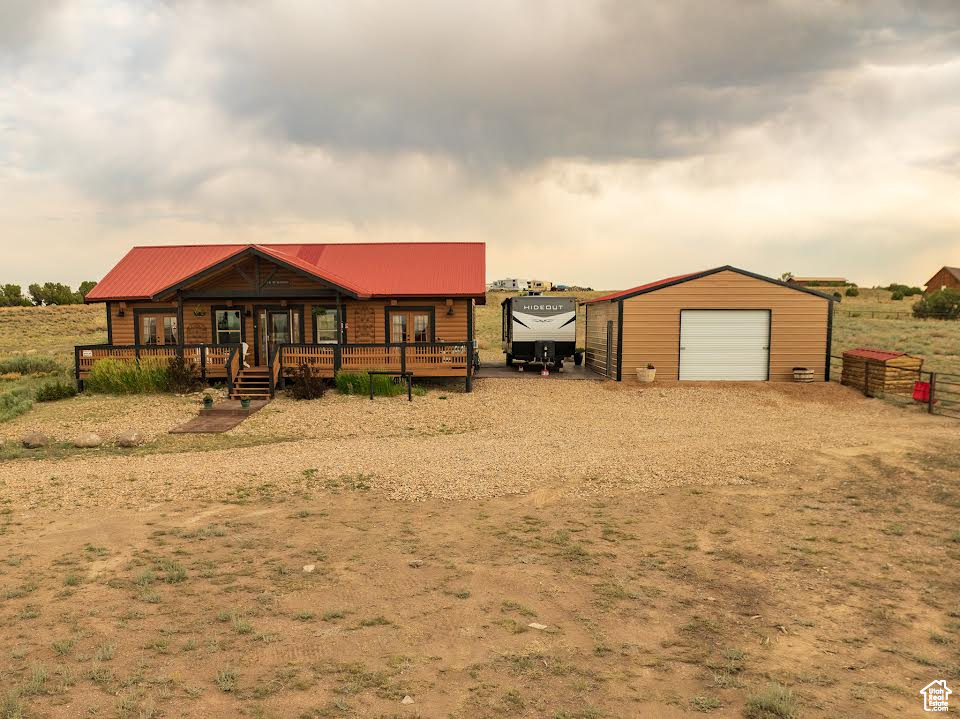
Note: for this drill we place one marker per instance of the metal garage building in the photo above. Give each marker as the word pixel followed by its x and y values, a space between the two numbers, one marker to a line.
pixel 721 324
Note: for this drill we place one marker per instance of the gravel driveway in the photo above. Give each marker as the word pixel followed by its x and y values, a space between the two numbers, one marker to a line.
pixel 508 436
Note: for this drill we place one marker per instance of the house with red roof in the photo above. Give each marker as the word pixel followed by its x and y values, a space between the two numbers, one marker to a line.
pixel 250 315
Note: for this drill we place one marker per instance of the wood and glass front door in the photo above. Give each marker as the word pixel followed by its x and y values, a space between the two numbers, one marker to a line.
pixel 277 327
pixel 409 325
pixel 157 329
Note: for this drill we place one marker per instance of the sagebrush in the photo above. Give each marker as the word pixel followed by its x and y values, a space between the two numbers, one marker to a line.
pixel 15 402
pixel 29 364
pixel 52 391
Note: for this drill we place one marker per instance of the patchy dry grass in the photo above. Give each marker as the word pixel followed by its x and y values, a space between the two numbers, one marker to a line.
pixel 775 599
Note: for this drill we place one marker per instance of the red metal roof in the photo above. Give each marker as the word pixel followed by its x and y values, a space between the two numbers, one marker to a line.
pixel 392 269
pixel 874 354
pixel 640 288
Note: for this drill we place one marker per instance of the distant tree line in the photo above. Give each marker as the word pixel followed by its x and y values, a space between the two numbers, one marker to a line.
pixel 49 293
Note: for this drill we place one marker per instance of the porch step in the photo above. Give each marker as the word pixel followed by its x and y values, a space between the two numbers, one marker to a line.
pixel 252 383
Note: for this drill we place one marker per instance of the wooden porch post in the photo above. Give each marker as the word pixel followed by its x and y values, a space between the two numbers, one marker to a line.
pixel 180 334
pixel 340 331
pixel 470 345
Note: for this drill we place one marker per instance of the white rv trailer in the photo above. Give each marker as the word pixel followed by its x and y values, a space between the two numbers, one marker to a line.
pixel 539 329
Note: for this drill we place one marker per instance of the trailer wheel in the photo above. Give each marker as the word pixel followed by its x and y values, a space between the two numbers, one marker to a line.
pixel 509 360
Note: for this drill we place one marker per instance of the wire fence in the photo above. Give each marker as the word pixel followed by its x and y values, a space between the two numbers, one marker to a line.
pixel 935 392
pixel 892 314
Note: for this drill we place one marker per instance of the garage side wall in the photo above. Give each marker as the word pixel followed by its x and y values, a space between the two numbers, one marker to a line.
pixel 595 343
pixel 651 323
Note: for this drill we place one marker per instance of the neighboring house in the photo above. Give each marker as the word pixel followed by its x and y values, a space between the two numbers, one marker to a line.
pixel 509 284
pixel 539 285
pixel 248 314
pixel 946 278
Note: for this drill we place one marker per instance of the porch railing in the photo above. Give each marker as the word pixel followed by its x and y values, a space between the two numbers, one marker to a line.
pixel 213 361
pixel 428 359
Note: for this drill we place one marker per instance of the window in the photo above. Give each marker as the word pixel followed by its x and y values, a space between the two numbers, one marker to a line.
pixel 421 327
pixel 229 324
pixel 326 322
pixel 149 333
pixel 398 327
pixel 170 330
pixel 409 325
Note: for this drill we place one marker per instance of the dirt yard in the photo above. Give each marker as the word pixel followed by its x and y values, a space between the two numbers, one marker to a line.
pixel 534 549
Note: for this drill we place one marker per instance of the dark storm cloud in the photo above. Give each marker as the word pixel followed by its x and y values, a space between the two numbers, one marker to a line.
pixel 22 22
pixel 517 83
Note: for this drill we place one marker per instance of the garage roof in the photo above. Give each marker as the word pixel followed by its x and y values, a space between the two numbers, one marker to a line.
pixel 679 279
pixel 391 269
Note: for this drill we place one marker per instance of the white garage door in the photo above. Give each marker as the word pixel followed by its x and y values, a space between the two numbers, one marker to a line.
pixel 724 344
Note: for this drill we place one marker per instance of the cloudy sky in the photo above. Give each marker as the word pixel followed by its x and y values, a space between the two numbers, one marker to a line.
pixel 608 142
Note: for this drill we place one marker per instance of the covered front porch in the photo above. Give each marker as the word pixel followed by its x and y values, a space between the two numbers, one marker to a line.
pixel 227 363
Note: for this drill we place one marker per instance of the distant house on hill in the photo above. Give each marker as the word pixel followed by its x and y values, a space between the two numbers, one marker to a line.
pixel 946 278
pixel 818 281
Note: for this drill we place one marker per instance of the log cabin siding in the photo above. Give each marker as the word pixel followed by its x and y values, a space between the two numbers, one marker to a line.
pixel 198 318
pixel 595 339
pixel 651 323
pixel 366 319
pixel 124 328
pixel 250 273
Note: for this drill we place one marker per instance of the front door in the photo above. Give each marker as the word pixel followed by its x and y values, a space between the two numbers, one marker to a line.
pixel 275 329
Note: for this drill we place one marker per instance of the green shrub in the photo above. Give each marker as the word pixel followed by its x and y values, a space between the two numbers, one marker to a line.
pixel 942 303
pixel 52 391
pixel 182 376
pixel 897 295
pixel 110 376
pixel 29 364
pixel 14 403
pixel 359 383
pixel 904 290
pixel 305 384
pixel 852 292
